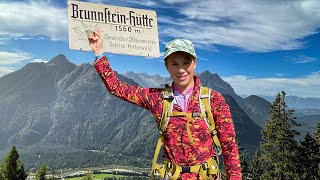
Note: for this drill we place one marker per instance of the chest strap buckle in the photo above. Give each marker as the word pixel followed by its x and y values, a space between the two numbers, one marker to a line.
pixel 185 169
pixel 196 114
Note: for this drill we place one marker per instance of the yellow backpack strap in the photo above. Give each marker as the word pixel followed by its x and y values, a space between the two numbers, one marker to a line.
pixel 168 97
pixel 206 107
pixel 167 107
pixel 156 169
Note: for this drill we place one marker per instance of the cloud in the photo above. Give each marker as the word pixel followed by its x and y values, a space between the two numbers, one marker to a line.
pixel 34 18
pixel 4 40
pixel 176 1
pixel 304 59
pixel 5 70
pixel 307 86
pixel 280 74
pixel 202 58
pixel 148 3
pixel 10 58
pixel 38 60
pixel 255 26
pixel 27 20
pixel 28 38
pixel 258 26
pixel 11 61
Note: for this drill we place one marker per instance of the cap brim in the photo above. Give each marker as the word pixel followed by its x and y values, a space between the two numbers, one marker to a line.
pixel 173 51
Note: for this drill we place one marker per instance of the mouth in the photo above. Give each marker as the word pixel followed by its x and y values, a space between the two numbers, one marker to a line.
pixel 181 78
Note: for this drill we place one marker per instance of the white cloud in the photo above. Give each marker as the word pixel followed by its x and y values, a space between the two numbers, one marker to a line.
pixel 10 58
pixel 176 1
pixel 28 38
pixel 202 58
pixel 280 74
pixel 96 1
pixel 304 59
pixel 11 61
pixel 39 60
pixel 308 86
pixel 259 26
pixel 34 18
pixel 5 70
pixel 149 3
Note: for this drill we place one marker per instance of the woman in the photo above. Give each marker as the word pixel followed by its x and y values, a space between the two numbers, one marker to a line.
pixel 187 140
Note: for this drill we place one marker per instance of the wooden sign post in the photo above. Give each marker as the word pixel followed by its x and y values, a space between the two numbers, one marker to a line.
pixel 126 30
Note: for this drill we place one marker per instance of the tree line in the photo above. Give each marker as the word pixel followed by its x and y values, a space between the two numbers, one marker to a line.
pixel 12 168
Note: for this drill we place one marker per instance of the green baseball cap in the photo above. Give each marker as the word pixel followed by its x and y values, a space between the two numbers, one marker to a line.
pixel 176 45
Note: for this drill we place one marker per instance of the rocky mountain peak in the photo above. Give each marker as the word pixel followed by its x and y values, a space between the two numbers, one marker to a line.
pixel 146 80
pixel 215 82
pixel 206 73
pixel 59 58
pixel 61 61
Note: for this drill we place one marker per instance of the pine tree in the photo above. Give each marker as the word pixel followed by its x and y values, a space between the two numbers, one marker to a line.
pixel 243 162
pixel 21 172
pixel 310 157
pixel 279 150
pixel 12 167
pixel 317 139
pixel 256 167
pixel 317 134
pixel 42 172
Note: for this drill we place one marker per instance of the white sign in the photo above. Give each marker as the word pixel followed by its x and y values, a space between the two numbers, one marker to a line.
pixel 126 30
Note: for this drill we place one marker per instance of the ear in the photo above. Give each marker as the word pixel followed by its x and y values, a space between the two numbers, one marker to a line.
pixel 195 63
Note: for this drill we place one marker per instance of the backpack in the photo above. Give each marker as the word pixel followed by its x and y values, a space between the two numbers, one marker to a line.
pixel 172 171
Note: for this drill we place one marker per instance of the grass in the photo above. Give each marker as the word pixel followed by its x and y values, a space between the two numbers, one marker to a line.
pixel 97 176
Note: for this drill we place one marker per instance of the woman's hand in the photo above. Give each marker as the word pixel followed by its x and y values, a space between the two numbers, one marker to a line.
pixel 96 41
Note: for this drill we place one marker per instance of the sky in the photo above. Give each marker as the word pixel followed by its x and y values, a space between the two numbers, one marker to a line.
pixel 258 47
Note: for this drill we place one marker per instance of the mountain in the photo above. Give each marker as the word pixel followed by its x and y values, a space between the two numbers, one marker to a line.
pixel 244 125
pixel 258 109
pixel 26 97
pixel 215 82
pixel 146 80
pixel 308 124
pixel 298 102
pixel 248 132
pixel 256 113
pixel 306 112
pixel 262 109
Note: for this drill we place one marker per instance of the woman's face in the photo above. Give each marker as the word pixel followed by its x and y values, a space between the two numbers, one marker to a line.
pixel 181 67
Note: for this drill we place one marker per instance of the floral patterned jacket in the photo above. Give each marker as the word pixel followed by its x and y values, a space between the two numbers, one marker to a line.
pixel 177 147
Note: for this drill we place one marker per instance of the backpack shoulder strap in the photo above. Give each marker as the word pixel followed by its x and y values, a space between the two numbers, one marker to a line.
pixel 168 97
pixel 205 94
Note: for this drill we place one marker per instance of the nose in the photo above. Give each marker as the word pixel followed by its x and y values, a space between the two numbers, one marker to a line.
pixel 181 70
